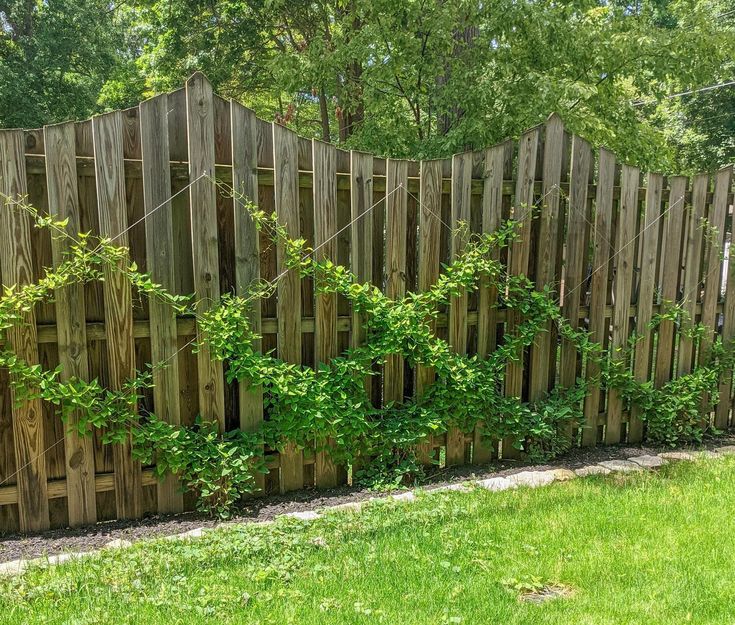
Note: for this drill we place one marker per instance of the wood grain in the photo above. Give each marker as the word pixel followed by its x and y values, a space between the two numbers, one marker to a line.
pixel 16 265
pixel 285 158
pixel 671 269
pixel 646 291
pixel 160 264
pixel 113 223
pixel 722 410
pixel 247 251
pixel 204 238
pixel 396 208
pixel 623 285
pixel 692 269
pixel 598 324
pixel 550 223
pixel 324 163
pixel 461 215
pixel 71 327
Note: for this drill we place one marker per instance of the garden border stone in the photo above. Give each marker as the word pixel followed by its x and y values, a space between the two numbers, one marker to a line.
pixel 526 478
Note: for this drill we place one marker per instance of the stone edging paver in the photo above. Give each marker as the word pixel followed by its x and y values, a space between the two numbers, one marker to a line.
pixel 525 478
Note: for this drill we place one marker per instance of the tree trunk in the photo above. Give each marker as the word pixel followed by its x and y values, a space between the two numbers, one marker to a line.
pixel 464 38
pixel 324 114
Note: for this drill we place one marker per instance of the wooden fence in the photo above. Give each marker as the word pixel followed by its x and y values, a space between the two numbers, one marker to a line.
pixel 615 242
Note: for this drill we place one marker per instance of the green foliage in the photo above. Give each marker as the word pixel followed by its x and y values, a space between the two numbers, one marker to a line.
pixel 393 77
pixel 328 409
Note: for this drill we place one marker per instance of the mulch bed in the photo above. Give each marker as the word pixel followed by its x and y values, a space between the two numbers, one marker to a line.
pixel 14 546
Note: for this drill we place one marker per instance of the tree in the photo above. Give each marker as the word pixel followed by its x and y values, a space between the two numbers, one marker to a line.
pixel 414 78
pixel 55 58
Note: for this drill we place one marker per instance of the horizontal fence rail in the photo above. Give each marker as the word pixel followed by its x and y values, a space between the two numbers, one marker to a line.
pixel 613 243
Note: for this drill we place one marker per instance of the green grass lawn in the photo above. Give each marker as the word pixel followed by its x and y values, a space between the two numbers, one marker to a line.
pixel 640 548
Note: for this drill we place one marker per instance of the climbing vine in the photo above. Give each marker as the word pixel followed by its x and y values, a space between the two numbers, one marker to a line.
pixel 328 409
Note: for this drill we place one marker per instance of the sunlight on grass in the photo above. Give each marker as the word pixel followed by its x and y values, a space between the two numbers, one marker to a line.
pixel 635 548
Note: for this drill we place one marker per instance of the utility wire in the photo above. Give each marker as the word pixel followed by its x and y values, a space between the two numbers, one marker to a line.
pixel 683 93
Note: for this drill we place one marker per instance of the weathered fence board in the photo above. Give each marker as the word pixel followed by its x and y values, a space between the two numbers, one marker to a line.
pixel 396 207
pixel 692 269
pixel 597 322
pixel 113 224
pixel 243 126
pixel 722 410
pixel 646 287
pixel 285 163
pixel 549 225
pixel 461 198
pixel 205 254
pixel 519 254
pixel 16 266
pixel 575 254
pixel 71 327
pixel 671 264
pixel 325 246
pixel 623 284
pixel 159 236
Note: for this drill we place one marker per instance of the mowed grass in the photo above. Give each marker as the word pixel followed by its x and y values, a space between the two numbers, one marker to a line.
pixel 639 548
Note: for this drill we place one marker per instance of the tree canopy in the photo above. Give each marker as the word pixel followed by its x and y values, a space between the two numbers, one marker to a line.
pixel 418 78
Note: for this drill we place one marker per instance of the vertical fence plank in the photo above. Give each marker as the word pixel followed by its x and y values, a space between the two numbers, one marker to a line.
pixel 324 159
pixel 549 226
pixel 395 262
pixel 461 200
pixel 646 288
pixel 523 208
pixel 624 259
pixel 286 183
pixel 160 265
pixel 430 193
pixel 598 286
pixel 723 184
pixel 110 176
pixel 576 252
pixel 71 328
pixel 430 196
pixel 362 216
pixel 519 254
pixel 243 126
pixel 712 270
pixel 492 215
pixel 205 253
pixel 16 264
pixel 496 161
pixel 692 267
pixel 671 268
pixel 361 192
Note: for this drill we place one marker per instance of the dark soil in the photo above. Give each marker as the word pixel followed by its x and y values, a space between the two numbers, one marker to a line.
pixel 53 542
